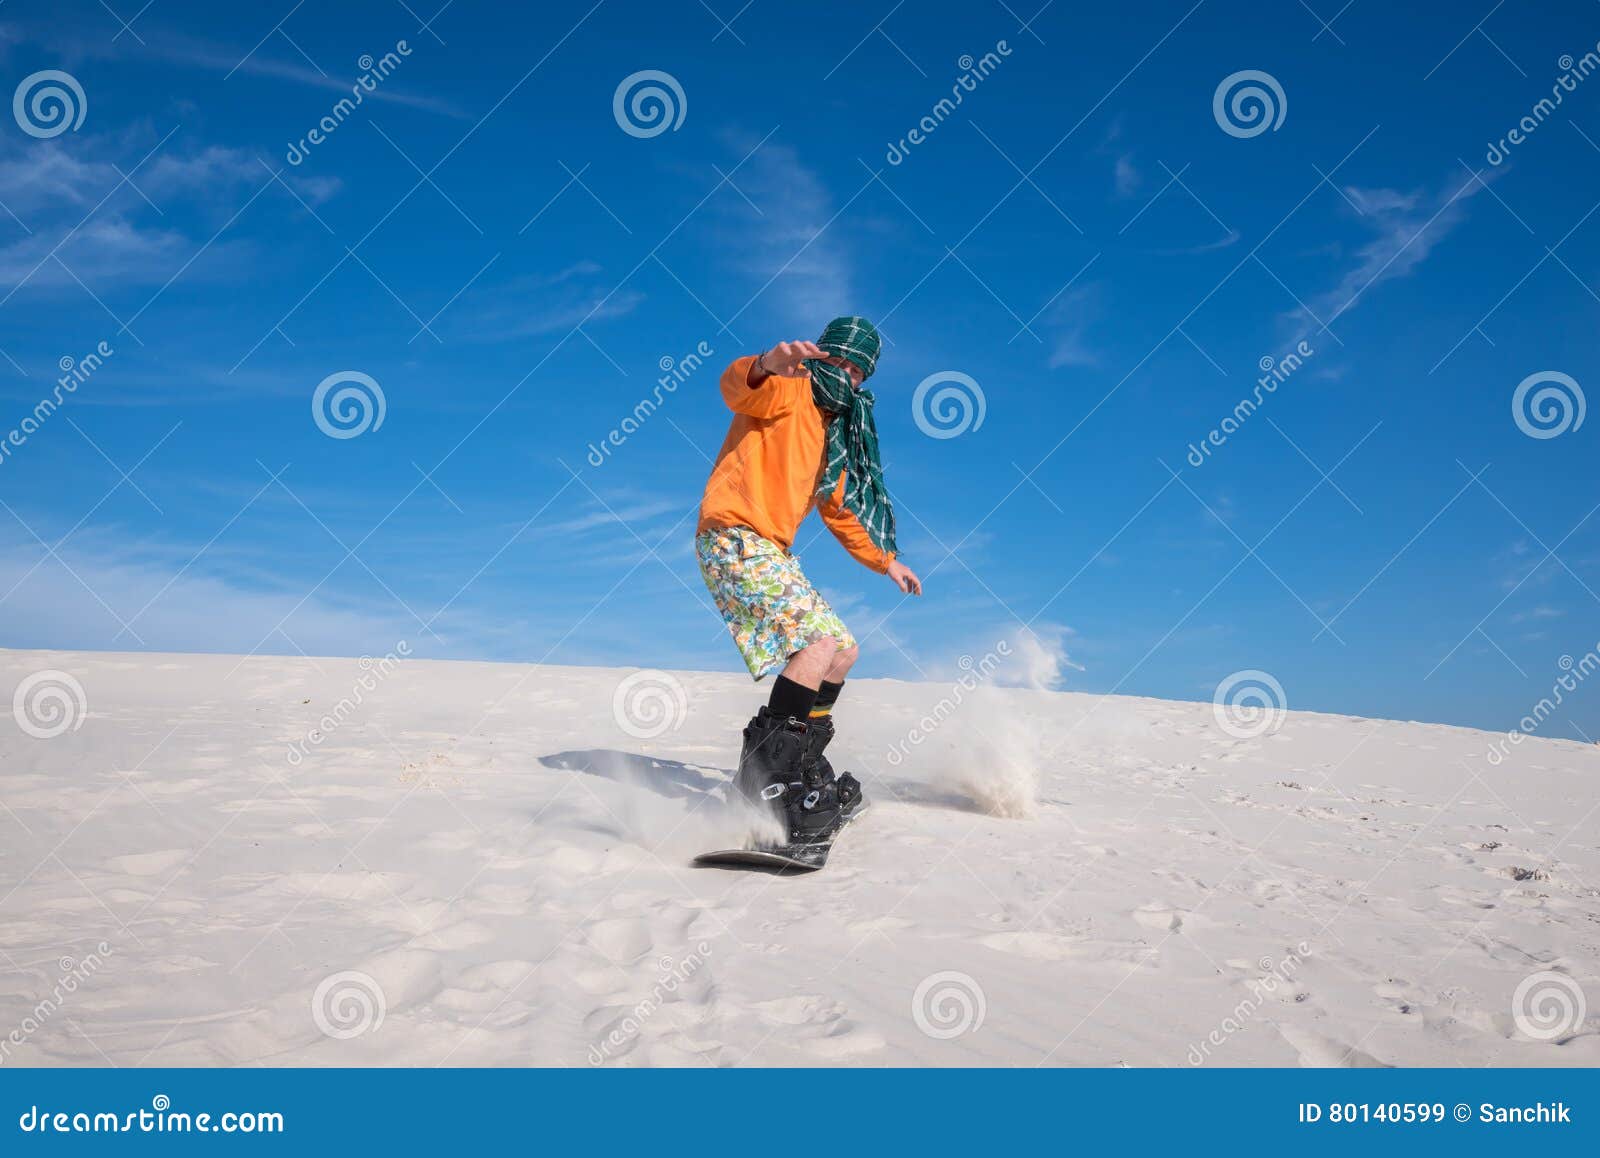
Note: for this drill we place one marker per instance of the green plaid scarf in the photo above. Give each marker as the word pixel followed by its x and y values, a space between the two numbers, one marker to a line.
pixel 852 447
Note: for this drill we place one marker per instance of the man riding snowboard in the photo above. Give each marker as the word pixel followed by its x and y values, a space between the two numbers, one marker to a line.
pixel 802 436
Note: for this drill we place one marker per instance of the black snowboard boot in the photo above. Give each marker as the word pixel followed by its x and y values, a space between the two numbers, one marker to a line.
pixel 777 773
pixel 819 732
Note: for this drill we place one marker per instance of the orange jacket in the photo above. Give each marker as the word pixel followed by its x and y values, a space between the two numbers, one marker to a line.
pixel 765 476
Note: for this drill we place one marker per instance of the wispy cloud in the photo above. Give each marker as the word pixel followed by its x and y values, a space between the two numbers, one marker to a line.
pixel 102 252
pixel 168 46
pixel 54 177
pixel 781 239
pixel 615 515
pixel 1126 176
pixel 73 202
pixel 579 294
pixel 1536 613
pixel 1526 568
pixel 1229 238
pixel 215 58
pixel 1406 226
pixel 103 581
pixel 1068 322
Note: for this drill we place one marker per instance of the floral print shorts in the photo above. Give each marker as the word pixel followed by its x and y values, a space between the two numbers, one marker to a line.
pixel 769 605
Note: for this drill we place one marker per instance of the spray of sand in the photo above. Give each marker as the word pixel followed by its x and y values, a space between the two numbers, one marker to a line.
pixel 988 746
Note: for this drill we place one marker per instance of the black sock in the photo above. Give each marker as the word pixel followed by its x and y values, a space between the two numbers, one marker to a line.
pixel 791 700
pixel 827 696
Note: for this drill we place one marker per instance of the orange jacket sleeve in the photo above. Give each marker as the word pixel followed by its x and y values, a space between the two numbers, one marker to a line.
pixel 851 534
pixel 773 398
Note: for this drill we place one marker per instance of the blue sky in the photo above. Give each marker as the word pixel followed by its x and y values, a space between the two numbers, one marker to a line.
pixel 1080 236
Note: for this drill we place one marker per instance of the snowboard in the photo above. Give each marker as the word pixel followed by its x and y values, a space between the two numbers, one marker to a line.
pixel 782 858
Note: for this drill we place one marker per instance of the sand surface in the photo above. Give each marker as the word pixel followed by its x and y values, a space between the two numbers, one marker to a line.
pixel 488 864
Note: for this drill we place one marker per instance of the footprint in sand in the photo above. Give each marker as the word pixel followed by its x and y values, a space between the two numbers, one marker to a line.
pixel 1042 946
pixel 620 939
pixel 458 936
pixel 1321 1052
pixel 1450 895
pixel 819 1026
pixel 149 864
pixel 1156 915
pixel 651 1020
pixel 482 989
pixel 1174 877
pixel 662 1013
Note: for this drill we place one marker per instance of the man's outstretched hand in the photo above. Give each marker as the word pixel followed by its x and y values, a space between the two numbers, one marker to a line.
pixel 904 577
pixel 785 360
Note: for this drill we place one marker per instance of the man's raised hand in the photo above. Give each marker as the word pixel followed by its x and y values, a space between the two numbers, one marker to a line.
pixel 785 359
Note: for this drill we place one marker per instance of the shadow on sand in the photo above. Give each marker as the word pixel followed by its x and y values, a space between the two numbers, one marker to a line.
pixel 670 778
pixel 901 791
pixel 679 781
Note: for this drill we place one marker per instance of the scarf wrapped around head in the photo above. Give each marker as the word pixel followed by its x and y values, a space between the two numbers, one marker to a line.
pixel 852 446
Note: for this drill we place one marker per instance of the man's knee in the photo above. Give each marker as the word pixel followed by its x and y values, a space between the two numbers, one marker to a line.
pixel 842 660
pixel 820 651
pixel 823 645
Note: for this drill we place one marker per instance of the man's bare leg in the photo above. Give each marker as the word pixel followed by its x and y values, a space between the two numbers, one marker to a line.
pixel 833 683
pixel 843 660
pixel 811 665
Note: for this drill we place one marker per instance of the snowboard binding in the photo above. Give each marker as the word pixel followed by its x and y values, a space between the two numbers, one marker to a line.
pixel 782 769
pixel 819 732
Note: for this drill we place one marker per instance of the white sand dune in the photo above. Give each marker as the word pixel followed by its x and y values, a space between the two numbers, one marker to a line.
pixel 480 865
